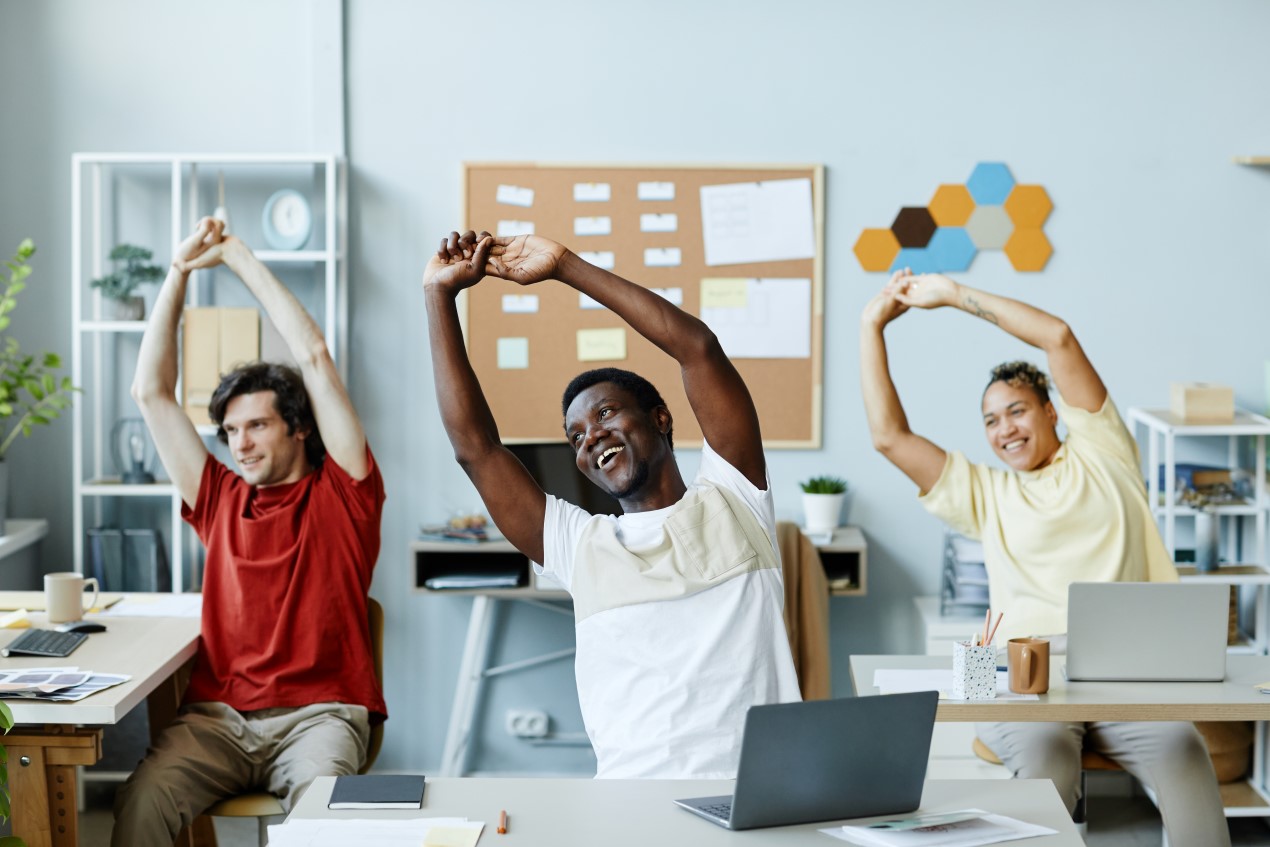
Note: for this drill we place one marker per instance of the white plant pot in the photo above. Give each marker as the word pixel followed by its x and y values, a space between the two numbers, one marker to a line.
pixel 132 309
pixel 821 512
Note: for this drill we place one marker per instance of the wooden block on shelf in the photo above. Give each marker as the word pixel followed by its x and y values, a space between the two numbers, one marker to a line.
pixel 1202 402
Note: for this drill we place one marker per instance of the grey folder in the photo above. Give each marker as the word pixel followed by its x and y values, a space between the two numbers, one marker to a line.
pixel 827 759
pixel 1147 631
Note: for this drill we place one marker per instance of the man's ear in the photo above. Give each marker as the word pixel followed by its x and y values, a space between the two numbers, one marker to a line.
pixel 661 417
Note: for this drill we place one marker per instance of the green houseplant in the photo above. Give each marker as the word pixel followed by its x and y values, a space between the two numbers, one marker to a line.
pixel 822 503
pixel 6 724
pixel 119 287
pixel 30 392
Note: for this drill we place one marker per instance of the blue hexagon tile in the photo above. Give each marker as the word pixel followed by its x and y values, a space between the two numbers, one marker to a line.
pixel 917 259
pixel 951 249
pixel 990 183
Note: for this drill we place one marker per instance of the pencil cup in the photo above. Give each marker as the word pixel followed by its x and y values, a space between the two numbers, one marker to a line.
pixel 974 672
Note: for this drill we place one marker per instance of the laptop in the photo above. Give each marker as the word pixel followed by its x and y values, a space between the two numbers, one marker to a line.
pixel 827 759
pixel 1147 631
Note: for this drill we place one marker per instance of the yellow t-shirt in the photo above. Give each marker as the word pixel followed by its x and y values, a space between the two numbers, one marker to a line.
pixel 1082 518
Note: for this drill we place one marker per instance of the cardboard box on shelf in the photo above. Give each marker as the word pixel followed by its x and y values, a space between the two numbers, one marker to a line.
pixel 1202 402
pixel 214 340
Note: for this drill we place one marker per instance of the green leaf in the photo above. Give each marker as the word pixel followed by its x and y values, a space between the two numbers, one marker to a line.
pixel 26 249
pixel 6 714
pixel 66 384
pixel 20 274
pixel 47 381
pixel 16 288
pixel 33 386
pixel 6 409
pixel 4 323
pixel 38 419
pixel 52 360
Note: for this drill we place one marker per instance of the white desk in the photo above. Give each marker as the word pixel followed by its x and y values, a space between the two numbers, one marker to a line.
pixel 640 813
pixel 52 738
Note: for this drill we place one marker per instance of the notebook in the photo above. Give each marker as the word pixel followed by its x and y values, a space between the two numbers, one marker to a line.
pixel 377 791
pixel 827 759
pixel 1147 631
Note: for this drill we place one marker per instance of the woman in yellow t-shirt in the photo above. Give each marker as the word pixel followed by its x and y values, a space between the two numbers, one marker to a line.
pixel 1062 512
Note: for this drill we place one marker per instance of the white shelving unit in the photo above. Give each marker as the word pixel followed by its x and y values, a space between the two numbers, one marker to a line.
pixel 154 199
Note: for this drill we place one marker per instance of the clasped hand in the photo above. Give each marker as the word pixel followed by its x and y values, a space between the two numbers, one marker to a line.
pixel 463 260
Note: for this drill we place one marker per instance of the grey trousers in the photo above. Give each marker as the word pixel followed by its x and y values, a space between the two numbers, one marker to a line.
pixel 1169 757
pixel 211 752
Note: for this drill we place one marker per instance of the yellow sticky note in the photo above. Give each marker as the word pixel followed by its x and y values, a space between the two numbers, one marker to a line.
pixel 451 836
pixel 601 345
pixel 725 293
pixel 16 620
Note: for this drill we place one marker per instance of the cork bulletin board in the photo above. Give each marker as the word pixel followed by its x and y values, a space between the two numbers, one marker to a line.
pixel 740 246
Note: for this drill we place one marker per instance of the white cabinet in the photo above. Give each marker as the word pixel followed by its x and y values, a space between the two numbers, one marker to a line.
pixel 153 201
pixel 1240 444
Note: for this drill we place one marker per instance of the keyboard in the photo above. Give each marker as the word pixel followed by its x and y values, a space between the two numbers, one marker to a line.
pixel 722 811
pixel 44 642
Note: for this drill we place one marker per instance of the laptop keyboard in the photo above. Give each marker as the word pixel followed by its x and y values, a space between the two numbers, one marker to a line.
pixel 44 642
pixel 719 810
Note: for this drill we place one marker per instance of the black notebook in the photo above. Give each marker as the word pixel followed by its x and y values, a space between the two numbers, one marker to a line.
pixel 377 791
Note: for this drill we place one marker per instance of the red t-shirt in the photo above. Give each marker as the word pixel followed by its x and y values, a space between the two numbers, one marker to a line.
pixel 284 589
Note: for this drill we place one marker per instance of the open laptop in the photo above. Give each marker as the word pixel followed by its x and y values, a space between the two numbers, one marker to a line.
pixel 827 759
pixel 1147 631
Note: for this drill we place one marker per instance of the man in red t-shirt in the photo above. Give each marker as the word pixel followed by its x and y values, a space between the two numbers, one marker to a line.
pixel 284 689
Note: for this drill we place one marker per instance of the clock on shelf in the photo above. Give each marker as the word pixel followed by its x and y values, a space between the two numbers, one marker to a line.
pixel 287 220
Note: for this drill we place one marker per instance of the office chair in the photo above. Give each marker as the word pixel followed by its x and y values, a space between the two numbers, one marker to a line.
pixel 263 805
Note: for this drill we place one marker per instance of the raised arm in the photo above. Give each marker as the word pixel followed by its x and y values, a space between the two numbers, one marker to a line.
pixel 514 500
pixel 919 459
pixel 179 445
pixel 720 401
pixel 337 421
pixel 1074 375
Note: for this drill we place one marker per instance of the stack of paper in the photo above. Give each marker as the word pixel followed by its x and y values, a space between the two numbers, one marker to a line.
pixel 965 828
pixel 57 684
pixel 433 832
pixel 903 681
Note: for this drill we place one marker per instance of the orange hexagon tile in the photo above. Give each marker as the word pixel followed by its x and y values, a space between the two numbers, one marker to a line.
pixel 951 205
pixel 1028 249
pixel 1028 205
pixel 875 249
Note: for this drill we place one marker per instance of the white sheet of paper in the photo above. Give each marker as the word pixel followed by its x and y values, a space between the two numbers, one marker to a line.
pixel 601 225
pixel 381 832
pixel 771 320
pixel 757 222
pixel 652 222
pixel 599 258
pixel 514 195
pixel 168 606
pixel 586 301
pixel 984 829
pixel 896 681
pixel 674 295
pixel 520 303
pixel 513 354
pixel 662 257
pixel 656 191
pixel 510 228
pixel 591 192
pixel 602 345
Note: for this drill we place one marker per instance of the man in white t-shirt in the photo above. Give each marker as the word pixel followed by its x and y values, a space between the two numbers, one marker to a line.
pixel 1062 512
pixel 678 601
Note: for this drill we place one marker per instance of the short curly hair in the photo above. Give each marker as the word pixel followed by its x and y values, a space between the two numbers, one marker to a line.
pixel 1021 374
pixel 290 399
pixel 645 394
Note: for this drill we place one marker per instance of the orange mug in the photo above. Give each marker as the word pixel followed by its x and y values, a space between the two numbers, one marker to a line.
pixel 1029 665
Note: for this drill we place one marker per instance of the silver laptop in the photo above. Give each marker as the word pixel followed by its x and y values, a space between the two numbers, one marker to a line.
pixel 827 759
pixel 1147 631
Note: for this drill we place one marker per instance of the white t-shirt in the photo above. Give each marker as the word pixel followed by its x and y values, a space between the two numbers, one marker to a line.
pixel 667 666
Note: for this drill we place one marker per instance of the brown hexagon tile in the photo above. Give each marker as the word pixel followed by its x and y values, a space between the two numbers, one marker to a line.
pixel 1028 249
pixel 876 249
pixel 1028 205
pixel 951 205
pixel 913 226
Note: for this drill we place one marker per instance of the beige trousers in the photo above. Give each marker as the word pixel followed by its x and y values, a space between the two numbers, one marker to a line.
pixel 211 752
pixel 1168 757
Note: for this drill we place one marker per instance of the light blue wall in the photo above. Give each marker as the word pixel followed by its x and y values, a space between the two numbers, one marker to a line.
pixel 1127 113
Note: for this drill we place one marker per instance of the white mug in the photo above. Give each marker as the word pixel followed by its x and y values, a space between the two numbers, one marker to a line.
pixel 64 596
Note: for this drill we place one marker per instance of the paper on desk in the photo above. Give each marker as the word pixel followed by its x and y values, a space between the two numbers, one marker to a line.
pixel 165 606
pixel 896 681
pixel 982 828
pixel 373 832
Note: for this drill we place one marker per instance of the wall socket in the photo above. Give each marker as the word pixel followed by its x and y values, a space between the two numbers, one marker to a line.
pixel 527 723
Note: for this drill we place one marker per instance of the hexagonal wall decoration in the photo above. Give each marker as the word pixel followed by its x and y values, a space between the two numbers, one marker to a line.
pixel 951 205
pixel 1028 205
pixel 1028 249
pixel 990 183
pixel 875 248
pixel 913 226
pixel 989 212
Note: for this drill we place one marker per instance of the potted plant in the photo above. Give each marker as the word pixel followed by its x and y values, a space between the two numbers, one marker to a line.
pixel 822 502
pixel 118 288
pixel 30 393
pixel 6 724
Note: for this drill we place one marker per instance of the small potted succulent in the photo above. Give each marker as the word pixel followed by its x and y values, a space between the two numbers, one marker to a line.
pixel 822 503
pixel 118 288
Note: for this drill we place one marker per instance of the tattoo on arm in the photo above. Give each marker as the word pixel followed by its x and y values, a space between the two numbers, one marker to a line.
pixel 973 305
